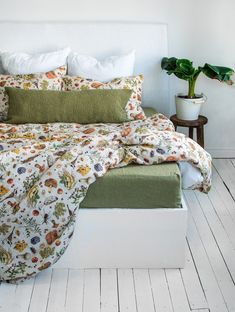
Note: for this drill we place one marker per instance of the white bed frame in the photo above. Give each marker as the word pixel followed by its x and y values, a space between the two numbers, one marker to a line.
pixel 114 238
pixel 127 238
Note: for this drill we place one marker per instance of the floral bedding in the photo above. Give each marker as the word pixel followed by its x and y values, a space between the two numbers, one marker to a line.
pixel 46 169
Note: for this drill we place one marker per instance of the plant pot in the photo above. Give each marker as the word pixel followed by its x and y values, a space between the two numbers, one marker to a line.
pixel 188 109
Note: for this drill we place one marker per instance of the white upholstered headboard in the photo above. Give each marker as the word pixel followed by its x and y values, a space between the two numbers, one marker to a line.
pixel 99 39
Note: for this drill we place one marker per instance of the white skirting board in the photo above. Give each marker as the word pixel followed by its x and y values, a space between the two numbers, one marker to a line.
pixel 127 238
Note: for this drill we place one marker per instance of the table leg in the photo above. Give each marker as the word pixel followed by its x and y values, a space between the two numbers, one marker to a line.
pixel 191 132
pixel 200 136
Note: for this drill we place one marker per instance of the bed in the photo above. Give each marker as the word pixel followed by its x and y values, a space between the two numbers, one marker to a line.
pixel 148 227
pixel 148 230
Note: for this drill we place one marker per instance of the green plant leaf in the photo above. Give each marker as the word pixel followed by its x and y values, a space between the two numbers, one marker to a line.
pixel 181 68
pixel 169 64
pixel 223 74
pixel 184 69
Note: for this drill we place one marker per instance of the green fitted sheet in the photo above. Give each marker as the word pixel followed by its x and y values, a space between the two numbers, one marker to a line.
pixel 136 186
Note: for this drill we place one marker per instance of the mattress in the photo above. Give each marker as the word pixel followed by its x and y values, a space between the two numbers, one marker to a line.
pixel 136 186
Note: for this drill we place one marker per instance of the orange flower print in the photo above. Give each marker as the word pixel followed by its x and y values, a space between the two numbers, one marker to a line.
pixel 125 132
pixel 51 75
pixel 96 84
pixel 171 158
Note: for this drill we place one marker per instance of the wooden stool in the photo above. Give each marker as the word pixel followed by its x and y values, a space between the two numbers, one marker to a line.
pixel 191 124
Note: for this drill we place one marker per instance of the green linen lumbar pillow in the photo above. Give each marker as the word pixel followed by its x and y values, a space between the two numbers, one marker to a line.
pixel 88 106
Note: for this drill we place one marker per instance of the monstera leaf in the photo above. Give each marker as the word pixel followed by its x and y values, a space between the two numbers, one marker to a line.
pixel 220 73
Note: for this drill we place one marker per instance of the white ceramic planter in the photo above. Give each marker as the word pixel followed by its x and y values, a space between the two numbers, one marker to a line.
pixel 188 109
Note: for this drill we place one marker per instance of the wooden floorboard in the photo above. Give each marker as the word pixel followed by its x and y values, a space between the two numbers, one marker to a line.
pixel 126 291
pixel 178 295
pixel 211 247
pixel 58 291
pixel 224 249
pixel 22 296
pixel 225 211
pixel 192 283
pixel 91 296
pixel 206 284
pixel 143 290
pixel 161 292
pixel 41 291
pixel 74 293
pixel 7 292
pixel 109 292
pixel 210 286
pixel 219 187
pixel 225 169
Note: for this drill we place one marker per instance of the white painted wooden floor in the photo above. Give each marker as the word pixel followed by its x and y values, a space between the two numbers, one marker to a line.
pixel 206 284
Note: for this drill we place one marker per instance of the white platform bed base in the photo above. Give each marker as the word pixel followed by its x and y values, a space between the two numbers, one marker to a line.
pixel 127 238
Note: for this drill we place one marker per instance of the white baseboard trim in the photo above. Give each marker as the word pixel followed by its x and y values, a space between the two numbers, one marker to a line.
pixel 221 153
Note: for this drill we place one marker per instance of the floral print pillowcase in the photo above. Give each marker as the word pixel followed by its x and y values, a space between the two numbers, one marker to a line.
pixel 134 83
pixel 43 81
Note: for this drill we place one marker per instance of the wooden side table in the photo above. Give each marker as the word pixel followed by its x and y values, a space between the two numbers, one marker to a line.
pixel 191 124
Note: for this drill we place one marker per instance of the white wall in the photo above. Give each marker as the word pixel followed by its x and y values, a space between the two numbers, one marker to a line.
pixel 202 30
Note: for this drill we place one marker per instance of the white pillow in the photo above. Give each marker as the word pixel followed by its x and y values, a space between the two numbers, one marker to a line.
pixel 23 63
pixel 106 70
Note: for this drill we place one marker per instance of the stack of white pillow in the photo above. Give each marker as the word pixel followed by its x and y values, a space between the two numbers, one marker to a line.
pixel 78 65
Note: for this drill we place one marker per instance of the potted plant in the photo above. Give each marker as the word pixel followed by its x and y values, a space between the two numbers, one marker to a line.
pixel 188 106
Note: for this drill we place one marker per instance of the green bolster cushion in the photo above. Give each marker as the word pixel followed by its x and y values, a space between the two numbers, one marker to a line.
pixel 47 106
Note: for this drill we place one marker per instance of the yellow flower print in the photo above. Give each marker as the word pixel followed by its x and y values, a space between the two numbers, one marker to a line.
pixel 3 190
pixel 20 245
pixel 26 85
pixel 29 136
pixel 78 140
pixel 15 151
pixel 129 158
pixel 83 170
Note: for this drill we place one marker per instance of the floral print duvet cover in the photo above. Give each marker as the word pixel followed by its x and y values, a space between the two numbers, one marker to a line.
pixel 46 169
